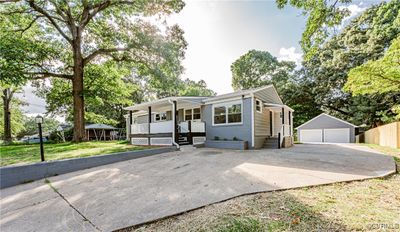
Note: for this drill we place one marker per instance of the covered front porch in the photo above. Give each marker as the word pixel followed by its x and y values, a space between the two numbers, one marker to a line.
pixel 169 121
pixel 281 124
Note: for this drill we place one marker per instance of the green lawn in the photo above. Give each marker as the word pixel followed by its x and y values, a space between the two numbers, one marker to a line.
pixel 369 205
pixel 30 153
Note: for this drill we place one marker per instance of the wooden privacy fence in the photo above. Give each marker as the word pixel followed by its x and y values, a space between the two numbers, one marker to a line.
pixel 386 135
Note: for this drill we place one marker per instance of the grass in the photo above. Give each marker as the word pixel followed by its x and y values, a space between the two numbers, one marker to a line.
pixel 369 205
pixel 30 153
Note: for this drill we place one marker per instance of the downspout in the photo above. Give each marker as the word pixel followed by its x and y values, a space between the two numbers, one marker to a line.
pixel 173 122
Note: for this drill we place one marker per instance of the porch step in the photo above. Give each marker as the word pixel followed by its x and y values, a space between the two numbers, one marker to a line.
pixel 271 143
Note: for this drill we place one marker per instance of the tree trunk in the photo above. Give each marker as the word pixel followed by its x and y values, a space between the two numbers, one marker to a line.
pixel 7 115
pixel 77 92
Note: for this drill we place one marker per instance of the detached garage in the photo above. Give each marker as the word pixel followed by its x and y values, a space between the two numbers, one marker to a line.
pixel 326 129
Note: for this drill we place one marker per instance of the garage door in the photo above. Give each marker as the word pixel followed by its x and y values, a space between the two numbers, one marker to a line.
pixel 310 136
pixel 340 135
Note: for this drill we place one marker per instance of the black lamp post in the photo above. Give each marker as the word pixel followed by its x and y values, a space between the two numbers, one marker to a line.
pixel 39 121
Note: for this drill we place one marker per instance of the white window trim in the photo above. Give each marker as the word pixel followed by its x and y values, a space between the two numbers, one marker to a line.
pixel 226 105
pixel 191 109
pixel 159 113
pixel 261 106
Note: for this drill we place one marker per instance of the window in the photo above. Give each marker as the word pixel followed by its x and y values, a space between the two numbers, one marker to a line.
pixel 220 115
pixel 161 117
pixel 188 115
pixel 258 106
pixel 228 113
pixel 196 114
pixel 235 113
pixel 192 114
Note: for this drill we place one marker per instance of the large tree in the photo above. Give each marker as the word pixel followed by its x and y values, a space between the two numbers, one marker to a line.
pixel 18 53
pixel 258 68
pixel 365 38
pixel 87 32
pixel 109 86
pixel 322 18
pixel 380 76
pixel 195 88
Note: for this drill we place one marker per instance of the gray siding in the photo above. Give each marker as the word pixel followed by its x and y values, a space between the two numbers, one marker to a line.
pixel 242 131
pixel 326 122
pixel 261 126
pixel 268 96
pixel 261 122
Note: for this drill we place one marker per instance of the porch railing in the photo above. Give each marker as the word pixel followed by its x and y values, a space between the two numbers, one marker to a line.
pixel 161 127
pixel 142 128
pixel 196 127
pixel 167 127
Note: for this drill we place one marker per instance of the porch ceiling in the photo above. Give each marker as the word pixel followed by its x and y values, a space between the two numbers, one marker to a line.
pixel 165 104
pixel 277 107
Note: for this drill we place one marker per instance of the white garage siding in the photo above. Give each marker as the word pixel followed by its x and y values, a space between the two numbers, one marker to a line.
pixel 334 130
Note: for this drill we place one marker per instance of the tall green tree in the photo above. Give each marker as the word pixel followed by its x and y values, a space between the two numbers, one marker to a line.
pixel 295 87
pixel 258 68
pixel 109 88
pixel 322 17
pixel 380 76
pixel 91 31
pixel 195 88
pixel 19 53
pixel 365 38
pixel 13 123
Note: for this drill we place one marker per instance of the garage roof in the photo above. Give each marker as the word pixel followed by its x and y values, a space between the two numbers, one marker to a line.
pixel 323 114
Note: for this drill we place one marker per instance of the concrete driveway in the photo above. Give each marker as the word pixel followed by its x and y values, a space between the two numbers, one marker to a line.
pixel 127 193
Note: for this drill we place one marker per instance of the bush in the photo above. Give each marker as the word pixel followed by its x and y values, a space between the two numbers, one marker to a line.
pixel 235 139
pixel 216 138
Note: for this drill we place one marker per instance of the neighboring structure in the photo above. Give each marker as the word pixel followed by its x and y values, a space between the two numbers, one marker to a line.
pixel 326 129
pixel 101 132
pixel 256 116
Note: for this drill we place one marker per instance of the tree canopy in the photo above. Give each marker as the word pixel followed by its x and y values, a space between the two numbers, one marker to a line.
pixel 365 38
pixel 322 17
pixel 258 68
pixel 92 32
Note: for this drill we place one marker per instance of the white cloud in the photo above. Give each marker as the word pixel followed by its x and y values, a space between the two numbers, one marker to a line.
pixel 290 54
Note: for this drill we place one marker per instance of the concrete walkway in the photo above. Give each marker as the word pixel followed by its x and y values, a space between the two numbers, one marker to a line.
pixel 127 193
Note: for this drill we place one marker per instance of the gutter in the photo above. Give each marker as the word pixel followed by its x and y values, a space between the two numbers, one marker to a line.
pixel 174 117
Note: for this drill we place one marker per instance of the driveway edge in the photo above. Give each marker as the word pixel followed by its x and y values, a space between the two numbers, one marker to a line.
pixel 135 226
pixel 14 175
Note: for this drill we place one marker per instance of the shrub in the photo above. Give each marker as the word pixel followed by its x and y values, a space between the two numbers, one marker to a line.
pixel 216 138
pixel 235 139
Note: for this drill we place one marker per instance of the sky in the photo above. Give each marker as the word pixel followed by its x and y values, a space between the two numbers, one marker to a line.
pixel 219 32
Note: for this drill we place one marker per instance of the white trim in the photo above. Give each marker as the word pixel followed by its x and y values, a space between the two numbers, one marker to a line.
pixel 160 120
pixel 276 92
pixel 166 100
pixel 226 100
pixel 226 105
pixel 278 105
pixel 261 105
pixel 246 92
pixel 252 120
pixel 192 109
pixel 325 115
